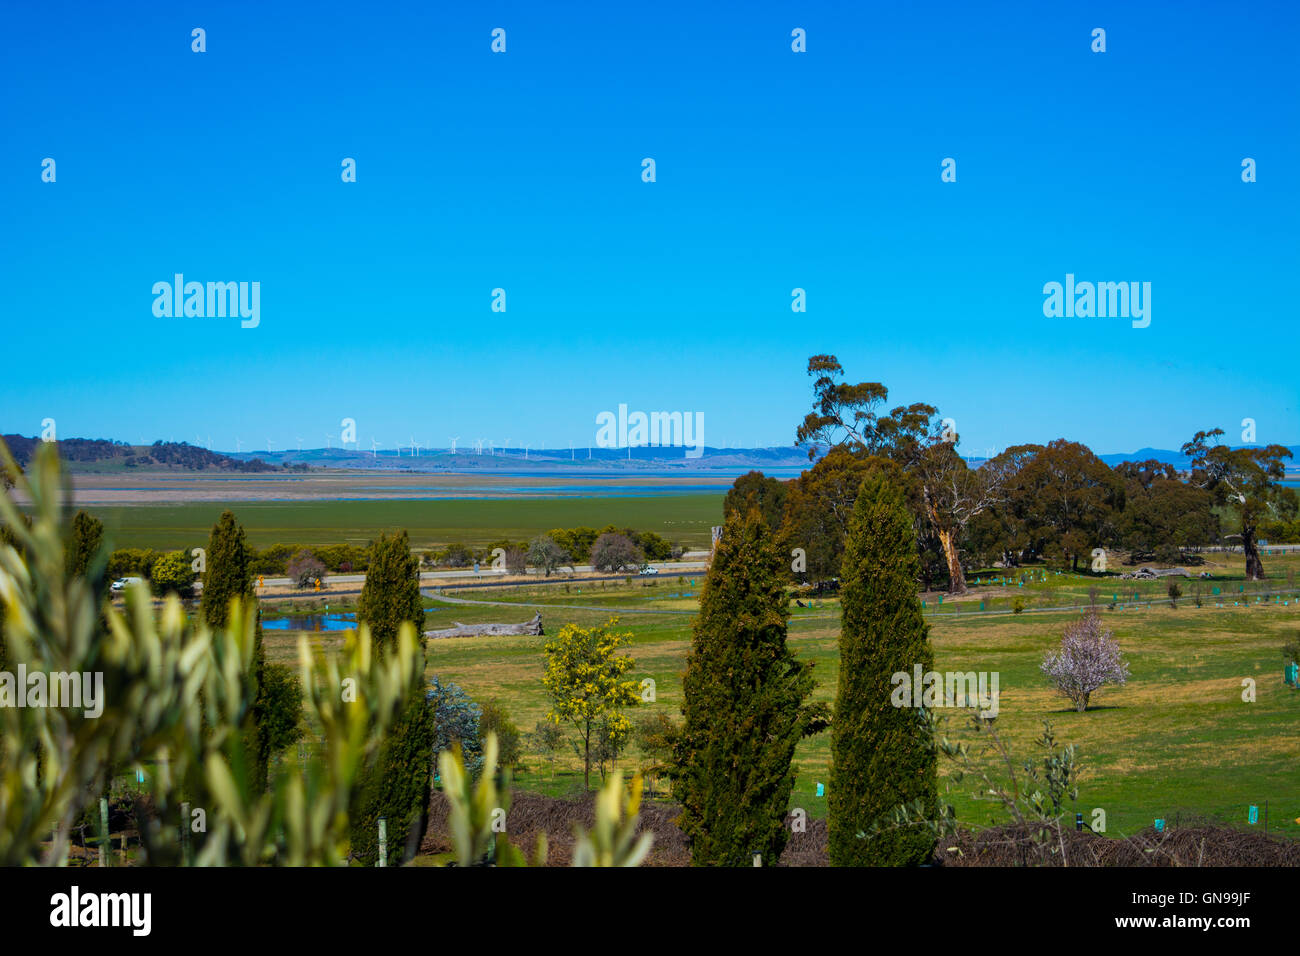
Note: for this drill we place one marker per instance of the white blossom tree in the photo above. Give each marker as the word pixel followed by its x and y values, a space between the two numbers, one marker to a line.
pixel 1088 659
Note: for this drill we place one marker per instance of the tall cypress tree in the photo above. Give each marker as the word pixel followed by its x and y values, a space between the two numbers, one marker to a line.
pixel 85 538
pixel 228 575
pixel 391 593
pixel 395 785
pixel 881 755
pixel 229 571
pixel 744 704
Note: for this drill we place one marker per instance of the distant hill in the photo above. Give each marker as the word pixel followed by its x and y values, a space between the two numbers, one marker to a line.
pixel 178 455
pixel 785 461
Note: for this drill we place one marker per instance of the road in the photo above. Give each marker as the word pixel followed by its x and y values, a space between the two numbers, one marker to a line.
pixel 338 583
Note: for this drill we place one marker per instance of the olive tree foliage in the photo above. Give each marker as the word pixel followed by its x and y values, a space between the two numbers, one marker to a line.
pixel 176 697
pixel 1088 659
pixel 1031 793
pixel 476 805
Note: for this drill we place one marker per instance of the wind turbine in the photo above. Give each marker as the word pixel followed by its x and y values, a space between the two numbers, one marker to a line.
pixel 525 453
pixel 492 448
pixel 328 436
pixel 453 444
pixel 506 447
pixel 268 446
pixel 571 458
pixel 374 445
pixel 238 444
pixel 300 446
pixel 415 448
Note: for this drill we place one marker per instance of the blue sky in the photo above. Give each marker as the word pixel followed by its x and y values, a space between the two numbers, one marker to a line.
pixel 522 171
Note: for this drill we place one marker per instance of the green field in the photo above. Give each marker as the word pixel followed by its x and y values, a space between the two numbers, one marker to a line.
pixel 682 519
pixel 1177 739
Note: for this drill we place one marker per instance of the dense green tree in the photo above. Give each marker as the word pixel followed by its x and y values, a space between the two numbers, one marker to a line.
pixel 1163 517
pixel 1062 500
pixel 391 593
pixel 756 490
pixel 882 756
pixel 85 538
pixel 395 783
pixel 745 705
pixel 229 573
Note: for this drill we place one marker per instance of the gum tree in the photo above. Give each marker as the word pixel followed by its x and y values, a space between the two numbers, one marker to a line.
pixel 1247 479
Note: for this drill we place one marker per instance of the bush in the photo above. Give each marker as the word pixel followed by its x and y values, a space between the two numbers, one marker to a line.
pixel 457 722
pixel 495 720
pixel 126 562
pixel 172 573
pixel 305 569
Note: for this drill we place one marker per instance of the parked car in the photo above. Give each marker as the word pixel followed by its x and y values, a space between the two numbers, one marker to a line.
pixel 647 569
pixel 121 584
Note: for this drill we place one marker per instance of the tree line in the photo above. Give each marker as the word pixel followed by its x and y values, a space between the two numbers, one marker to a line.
pixel 1055 503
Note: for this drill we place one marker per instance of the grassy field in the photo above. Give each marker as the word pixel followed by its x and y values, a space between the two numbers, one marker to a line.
pixel 683 519
pixel 1177 739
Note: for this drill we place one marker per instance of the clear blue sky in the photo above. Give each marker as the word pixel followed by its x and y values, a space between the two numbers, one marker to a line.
pixel 775 170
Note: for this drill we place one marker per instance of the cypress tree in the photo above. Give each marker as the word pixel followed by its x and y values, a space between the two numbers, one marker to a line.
pixel 395 785
pixel 391 593
pixel 229 571
pixel 881 754
pixel 84 541
pixel 744 705
pixel 229 575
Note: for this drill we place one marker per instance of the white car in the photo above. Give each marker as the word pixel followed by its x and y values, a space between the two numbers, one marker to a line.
pixel 647 569
pixel 121 584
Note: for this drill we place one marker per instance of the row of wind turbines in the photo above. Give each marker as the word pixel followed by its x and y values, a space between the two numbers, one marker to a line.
pixel 412 448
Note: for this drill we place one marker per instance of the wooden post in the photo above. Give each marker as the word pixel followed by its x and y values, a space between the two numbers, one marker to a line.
pixel 103 831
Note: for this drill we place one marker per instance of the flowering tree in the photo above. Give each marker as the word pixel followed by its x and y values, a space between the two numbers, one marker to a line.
pixel 584 680
pixel 1088 659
